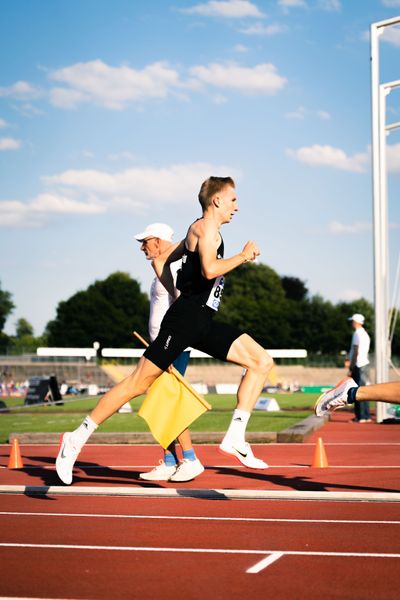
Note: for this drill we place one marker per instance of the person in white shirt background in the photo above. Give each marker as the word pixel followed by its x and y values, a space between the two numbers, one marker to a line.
pixel 359 364
pixel 155 239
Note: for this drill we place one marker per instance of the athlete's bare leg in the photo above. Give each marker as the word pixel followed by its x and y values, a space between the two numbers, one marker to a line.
pixel 72 442
pixel 380 392
pixel 132 386
pixel 249 354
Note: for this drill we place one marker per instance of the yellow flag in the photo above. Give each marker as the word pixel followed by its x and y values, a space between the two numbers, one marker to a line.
pixel 170 406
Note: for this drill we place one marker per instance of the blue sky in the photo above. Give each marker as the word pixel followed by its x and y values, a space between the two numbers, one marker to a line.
pixel 112 113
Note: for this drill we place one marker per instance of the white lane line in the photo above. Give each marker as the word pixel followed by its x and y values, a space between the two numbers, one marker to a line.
pixel 198 518
pixel 265 562
pixel 269 445
pixel 198 550
pixel 84 467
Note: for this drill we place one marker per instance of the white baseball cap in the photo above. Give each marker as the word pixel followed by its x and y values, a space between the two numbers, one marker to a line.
pixel 357 318
pixel 157 230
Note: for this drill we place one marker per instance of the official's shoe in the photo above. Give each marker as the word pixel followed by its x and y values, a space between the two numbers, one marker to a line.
pixel 334 398
pixel 187 470
pixel 244 454
pixel 66 458
pixel 161 472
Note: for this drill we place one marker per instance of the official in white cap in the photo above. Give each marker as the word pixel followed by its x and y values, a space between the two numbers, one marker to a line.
pixel 359 364
pixel 155 239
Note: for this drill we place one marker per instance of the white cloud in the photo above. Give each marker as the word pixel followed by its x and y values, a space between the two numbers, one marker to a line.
pixel 3 124
pixel 338 228
pixel 261 79
pixel 93 192
pixel 112 87
pixel 231 9
pixel 56 203
pixel 391 3
pixel 173 184
pixel 21 90
pixel 9 144
pixel 393 158
pixel 14 213
pixel 327 156
pixel 292 3
pixel 261 29
pixel 391 35
pixel 116 88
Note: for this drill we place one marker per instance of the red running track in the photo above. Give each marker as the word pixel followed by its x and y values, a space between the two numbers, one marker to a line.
pixel 103 547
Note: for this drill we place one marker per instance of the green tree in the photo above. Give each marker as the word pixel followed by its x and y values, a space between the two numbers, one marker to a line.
pixel 23 328
pixel 107 312
pixel 254 301
pixel 6 307
pixel 294 288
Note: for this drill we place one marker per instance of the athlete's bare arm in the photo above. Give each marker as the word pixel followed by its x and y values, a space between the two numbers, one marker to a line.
pixel 161 266
pixel 204 235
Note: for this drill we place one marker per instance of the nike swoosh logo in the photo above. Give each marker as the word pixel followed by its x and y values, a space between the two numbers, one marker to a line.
pixel 241 453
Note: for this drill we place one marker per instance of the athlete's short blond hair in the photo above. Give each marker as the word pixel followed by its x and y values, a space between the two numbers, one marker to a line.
pixel 212 186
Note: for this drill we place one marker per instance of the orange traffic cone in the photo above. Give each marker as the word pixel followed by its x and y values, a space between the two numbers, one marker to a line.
pixel 319 461
pixel 15 461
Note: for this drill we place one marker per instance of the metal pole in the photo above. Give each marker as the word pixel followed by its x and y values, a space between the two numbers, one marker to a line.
pixel 380 333
pixel 379 183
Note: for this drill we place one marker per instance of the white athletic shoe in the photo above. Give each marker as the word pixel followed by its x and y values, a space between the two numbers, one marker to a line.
pixel 187 470
pixel 66 458
pixel 161 472
pixel 334 398
pixel 243 453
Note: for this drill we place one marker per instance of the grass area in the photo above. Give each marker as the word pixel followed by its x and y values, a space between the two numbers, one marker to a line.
pixel 59 418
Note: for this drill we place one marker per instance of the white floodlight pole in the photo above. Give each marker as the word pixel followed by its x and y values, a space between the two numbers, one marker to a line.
pixel 379 181
pixel 380 204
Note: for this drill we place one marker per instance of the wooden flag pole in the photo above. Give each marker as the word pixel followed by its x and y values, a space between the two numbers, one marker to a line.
pixel 178 376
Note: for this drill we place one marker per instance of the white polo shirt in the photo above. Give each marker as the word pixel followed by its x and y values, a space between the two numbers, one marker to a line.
pixel 160 301
pixel 362 340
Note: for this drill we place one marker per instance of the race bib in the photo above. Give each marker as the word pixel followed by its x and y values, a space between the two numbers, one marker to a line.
pixel 214 299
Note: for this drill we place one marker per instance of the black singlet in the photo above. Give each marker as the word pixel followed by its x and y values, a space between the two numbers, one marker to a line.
pixel 192 283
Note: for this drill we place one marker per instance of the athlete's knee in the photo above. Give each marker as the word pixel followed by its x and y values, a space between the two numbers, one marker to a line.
pixel 262 362
pixel 137 385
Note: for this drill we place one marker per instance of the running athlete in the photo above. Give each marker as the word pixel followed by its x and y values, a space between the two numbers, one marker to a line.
pixel 154 240
pixel 190 322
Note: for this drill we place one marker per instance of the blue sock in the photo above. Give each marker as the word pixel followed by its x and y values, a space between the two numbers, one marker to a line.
pixel 189 454
pixel 169 459
pixel 351 395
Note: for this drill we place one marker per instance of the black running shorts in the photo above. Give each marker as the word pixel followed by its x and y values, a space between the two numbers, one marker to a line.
pixel 185 324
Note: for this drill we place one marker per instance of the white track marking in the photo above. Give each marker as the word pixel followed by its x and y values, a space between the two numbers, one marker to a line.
pixel 197 550
pixel 265 562
pixel 191 518
pixel 84 467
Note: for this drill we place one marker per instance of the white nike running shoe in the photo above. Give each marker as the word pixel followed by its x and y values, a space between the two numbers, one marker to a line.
pixel 66 458
pixel 161 472
pixel 243 453
pixel 187 470
pixel 334 398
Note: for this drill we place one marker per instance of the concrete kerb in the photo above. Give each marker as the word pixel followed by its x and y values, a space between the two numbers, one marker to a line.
pixel 211 494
